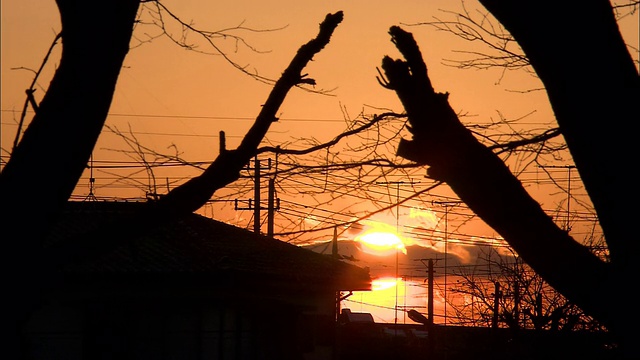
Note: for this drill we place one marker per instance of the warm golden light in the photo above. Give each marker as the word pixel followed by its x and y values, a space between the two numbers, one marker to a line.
pixel 383 283
pixel 380 239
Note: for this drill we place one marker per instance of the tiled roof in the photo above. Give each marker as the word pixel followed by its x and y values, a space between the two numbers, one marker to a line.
pixel 194 244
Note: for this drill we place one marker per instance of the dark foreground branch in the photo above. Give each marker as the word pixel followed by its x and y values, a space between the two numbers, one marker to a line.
pixel 485 184
pixel 225 169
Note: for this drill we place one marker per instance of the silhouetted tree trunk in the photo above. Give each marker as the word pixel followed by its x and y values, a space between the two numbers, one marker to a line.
pixel 67 125
pixel 593 87
pixel 592 83
pixel 45 166
pixel 480 178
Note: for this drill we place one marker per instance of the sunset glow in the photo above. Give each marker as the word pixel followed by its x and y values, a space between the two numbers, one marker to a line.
pixel 330 169
pixel 380 239
pixel 383 283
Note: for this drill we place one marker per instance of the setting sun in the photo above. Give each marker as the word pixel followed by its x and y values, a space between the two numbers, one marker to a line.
pixel 383 283
pixel 380 239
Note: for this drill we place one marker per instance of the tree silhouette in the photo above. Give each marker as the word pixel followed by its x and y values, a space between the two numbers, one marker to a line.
pixel 525 300
pixel 69 119
pixel 71 116
pixel 603 85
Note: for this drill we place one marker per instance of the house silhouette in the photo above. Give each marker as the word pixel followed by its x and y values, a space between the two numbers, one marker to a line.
pixel 186 288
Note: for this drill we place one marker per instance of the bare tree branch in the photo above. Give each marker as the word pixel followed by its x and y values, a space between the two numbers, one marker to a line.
pixel 225 169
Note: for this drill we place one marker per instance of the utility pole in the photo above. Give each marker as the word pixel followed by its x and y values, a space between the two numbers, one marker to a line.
pixel 254 204
pixel 496 305
pixel 430 293
pixel 271 207
pixel 429 324
pixel 446 205
pixel 334 244
pixel 429 266
pixel 335 255
pixel 430 308
pixel 256 195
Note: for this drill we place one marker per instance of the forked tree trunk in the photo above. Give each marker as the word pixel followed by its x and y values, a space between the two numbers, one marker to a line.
pixel 484 182
pixel 487 186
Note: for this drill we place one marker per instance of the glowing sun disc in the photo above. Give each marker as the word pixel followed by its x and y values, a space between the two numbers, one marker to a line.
pixel 381 243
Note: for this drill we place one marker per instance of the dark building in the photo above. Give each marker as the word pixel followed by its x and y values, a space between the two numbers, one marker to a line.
pixel 187 288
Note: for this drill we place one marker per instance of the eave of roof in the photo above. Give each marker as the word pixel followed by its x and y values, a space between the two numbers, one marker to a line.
pixel 193 245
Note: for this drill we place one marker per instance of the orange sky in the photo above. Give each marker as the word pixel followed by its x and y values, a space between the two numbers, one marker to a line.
pixel 168 96
pixel 162 79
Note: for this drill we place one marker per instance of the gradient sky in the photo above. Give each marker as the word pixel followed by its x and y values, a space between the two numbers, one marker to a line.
pixel 167 95
pixel 170 96
pixel 161 79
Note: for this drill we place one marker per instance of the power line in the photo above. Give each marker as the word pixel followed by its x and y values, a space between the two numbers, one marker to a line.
pixel 198 117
